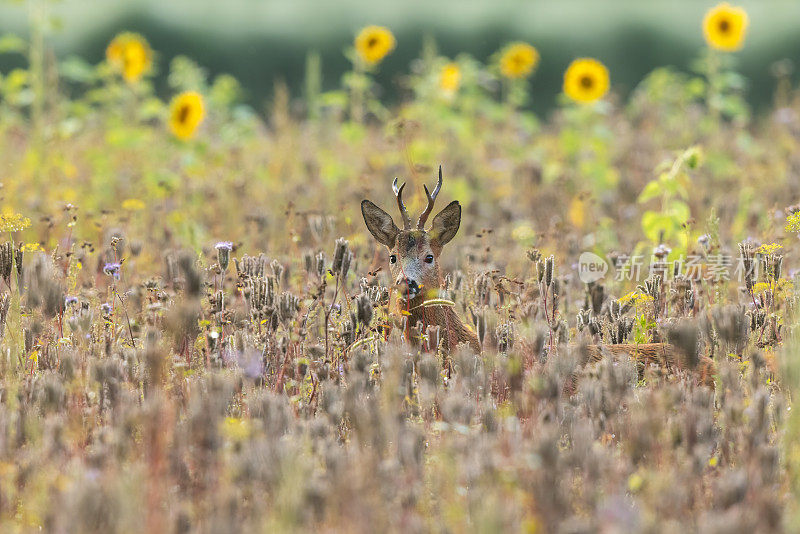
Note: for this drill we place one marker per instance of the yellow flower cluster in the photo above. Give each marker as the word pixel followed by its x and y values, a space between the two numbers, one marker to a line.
pixel 768 249
pixel 634 297
pixel 133 204
pixel 781 289
pixel 793 222
pixel 13 222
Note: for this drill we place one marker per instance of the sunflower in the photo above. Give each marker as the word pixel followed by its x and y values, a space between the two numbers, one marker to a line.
pixel 450 79
pixel 186 112
pixel 130 54
pixel 725 26
pixel 586 80
pixel 518 60
pixel 374 43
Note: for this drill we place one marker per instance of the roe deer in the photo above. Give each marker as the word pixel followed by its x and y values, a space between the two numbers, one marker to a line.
pixel 414 263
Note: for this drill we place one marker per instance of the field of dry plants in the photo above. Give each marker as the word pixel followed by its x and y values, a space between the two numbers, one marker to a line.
pixel 199 334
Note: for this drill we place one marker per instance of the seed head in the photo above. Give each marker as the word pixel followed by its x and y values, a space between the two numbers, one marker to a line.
pixel 6 260
pixel 251 267
pixel 288 306
pixel 549 266
pixel 320 266
pixel 338 255
pixel 746 251
pixel 365 308
pixel 223 254
pixel 277 271
pixel 347 260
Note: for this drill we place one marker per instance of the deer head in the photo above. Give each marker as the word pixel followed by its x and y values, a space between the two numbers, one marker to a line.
pixel 414 252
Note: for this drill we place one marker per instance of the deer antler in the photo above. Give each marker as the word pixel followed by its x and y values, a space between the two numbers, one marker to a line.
pixel 431 199
pixel 398 192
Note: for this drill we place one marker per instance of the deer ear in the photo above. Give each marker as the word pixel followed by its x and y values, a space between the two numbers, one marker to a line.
pixel 446 223
pixel 379 223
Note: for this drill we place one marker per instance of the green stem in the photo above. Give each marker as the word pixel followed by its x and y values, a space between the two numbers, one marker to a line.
pixel 714 85
pixel 14 319
pixel 357 94
pixel 37 20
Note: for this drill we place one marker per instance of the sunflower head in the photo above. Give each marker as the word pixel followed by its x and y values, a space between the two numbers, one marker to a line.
pixel 450 79
pixel 518 60
pixel 186 112
pixel 725 26
pixel 374 43
pixel 586 80
pixel 131 55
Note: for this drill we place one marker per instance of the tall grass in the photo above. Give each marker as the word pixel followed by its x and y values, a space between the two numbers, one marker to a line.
pixel 184 350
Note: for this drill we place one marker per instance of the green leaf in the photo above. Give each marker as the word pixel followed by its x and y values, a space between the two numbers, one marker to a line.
pixel 10 43
pixel 651 190
pixel 76 69
pixel 654 223
pixel 679 211
pixel 335 99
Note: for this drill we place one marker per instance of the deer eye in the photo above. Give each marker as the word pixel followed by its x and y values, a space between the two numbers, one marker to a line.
pixel 429 258
pixel 393 258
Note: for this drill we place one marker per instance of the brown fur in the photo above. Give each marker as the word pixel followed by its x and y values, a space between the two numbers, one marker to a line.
pixel 662 355
pixel 452 332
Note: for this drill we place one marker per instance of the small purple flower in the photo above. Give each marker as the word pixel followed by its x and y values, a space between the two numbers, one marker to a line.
pixel 112 269
pixel 106 307
pixel 70 300
pixel 661 251
pixel 224 245
pixel 251 361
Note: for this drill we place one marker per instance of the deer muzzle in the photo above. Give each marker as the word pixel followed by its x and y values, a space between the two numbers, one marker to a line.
pixel 408 288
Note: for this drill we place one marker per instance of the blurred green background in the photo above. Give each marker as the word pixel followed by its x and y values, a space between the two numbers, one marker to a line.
pixel 261 41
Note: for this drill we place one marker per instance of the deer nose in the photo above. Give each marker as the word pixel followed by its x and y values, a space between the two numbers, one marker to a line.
pixel 411 286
